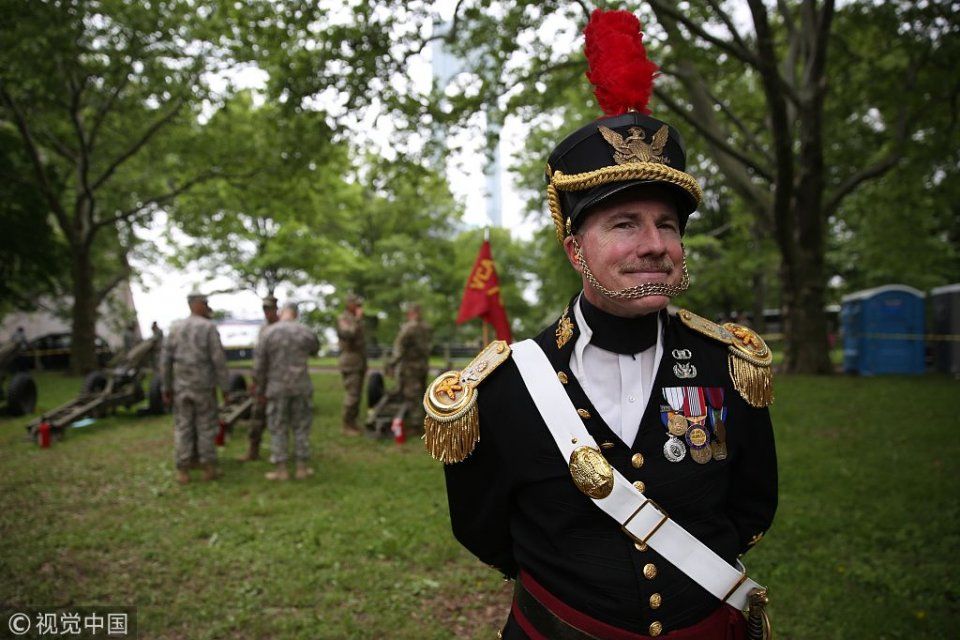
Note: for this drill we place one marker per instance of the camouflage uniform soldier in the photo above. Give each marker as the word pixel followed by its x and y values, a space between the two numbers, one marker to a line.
pixel 410 361
pixel 194 365
pixel 258 421
pixel 280 368
pixel 353 361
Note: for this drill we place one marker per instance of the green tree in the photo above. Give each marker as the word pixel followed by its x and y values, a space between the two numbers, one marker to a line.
pixel 34 269
pixel 92 87
pixel 265 225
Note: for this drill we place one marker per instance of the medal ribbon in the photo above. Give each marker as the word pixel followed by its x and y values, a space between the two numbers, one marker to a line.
pixel 675 398
pixel 715 397
pixel 694 404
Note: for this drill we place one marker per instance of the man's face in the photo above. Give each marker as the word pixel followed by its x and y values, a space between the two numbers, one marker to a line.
pixel 630 240
pixel 270 314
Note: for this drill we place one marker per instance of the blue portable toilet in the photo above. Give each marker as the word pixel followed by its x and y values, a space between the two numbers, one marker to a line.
pixel 883 330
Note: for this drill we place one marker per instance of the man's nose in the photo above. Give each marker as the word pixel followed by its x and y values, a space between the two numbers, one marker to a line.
pixel 650 240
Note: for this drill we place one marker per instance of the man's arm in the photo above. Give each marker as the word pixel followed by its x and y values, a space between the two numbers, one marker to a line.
pixel 753 493
pixel 166 363
pixel 479 489
pixel 219 359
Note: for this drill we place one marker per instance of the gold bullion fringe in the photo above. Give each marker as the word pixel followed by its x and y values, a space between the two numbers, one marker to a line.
pixel 753 381
pixel 452 440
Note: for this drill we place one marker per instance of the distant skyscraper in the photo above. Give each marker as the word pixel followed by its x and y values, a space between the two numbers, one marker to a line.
pixel 445 67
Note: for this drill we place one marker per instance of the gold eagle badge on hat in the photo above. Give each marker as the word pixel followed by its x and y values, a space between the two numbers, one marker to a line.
pixel 452 423
pixel 749 361
pixel 634 147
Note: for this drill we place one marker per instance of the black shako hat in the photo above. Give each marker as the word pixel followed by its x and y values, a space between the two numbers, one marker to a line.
pixel 625 148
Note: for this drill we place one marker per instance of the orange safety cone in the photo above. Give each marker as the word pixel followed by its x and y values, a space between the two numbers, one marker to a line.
pixel 397 428
pixel 43 434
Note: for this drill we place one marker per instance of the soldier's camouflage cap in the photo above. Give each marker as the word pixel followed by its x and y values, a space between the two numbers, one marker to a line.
pixel 196 296
pixel 269 302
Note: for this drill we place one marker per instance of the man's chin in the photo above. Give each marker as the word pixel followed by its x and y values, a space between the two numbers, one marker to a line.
pixel 638 306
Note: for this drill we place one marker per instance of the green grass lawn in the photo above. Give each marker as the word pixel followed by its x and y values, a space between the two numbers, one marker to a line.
pixel 864 544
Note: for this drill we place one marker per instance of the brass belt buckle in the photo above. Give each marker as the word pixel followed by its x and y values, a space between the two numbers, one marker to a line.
pixel 663 519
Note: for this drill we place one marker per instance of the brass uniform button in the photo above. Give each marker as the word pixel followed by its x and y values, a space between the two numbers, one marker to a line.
pixel 656 628
pixel 640 546
pixel 640 486
pixel 606 445
pixel 650 571
pixel 562 377
pixel 637 460
pixel 655 600
pixel 583 413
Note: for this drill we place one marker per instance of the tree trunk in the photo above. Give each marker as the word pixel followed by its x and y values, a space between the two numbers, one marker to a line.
pixel 83 356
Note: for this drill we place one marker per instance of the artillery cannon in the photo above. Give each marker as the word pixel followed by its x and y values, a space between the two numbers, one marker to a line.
pixel 103 391
pixel 20 396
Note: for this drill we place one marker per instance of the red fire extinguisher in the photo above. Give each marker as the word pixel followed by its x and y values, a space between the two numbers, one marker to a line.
pixel 43 434
pixel 397 428
pixel 221 438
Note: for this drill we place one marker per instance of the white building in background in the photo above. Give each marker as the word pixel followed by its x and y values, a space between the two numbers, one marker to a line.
pixel 112 318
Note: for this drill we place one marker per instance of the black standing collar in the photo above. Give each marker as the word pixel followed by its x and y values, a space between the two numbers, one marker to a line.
pixel 616 334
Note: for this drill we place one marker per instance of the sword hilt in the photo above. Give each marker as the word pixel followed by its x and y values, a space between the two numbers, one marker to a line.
pixel 758 622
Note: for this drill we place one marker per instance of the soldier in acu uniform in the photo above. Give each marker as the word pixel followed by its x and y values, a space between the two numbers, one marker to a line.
pixel 410 362
pixel 352 362
pixel 617 465
pixel 284 385
pixel 194 365
pixel 258 421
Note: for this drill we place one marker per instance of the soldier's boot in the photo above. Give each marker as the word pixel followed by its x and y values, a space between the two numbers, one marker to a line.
pixel 182 476
pixel 210 471
pixel 253 453
pixel 303 471
pixel 350 430
pixel 280 473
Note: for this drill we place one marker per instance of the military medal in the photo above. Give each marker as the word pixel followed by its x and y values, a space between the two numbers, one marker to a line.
pixel 673 449
pixel 698 433
pixel 718 419
pixel 676 422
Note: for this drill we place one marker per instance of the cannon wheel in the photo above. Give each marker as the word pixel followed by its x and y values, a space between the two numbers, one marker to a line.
pixel 375 388
pixel 155 399
pixel 21 395
pixel 238 385
pixel 94 383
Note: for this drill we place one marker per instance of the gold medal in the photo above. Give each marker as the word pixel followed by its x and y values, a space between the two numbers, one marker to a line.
pixel 719 450
pixel 677 424
pixel 697 437
pixel 701 455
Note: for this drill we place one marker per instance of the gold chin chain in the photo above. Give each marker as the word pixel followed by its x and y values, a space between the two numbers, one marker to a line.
pixel 636 291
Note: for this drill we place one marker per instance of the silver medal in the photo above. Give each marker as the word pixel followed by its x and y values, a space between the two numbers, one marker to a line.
pixel 674 450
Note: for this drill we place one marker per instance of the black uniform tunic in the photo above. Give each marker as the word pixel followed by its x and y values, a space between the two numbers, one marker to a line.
pixel 514 505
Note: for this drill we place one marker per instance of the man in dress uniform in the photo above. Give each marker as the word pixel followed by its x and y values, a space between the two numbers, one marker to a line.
pixel 194 365
pixel 352 362
pixel 617 465
pixel 258 421
pixel 410 362
pixel 284 386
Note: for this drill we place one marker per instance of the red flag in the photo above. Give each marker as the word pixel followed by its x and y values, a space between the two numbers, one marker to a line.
pixel 482 295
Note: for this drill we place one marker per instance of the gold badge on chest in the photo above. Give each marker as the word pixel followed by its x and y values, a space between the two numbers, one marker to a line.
pixel 591 472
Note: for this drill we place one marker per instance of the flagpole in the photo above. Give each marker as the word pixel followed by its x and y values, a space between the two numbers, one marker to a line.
pixel 486 332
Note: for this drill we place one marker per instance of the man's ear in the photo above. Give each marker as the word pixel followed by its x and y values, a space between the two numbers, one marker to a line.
pixel 571 251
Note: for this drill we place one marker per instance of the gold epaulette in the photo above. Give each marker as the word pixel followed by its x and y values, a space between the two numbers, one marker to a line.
pixel 749 360
pixel 452 424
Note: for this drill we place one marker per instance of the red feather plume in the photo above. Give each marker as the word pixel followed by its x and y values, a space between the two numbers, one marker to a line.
pixel 619 70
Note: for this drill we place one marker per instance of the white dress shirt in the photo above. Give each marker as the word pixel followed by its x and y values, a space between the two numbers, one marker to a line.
pixel 618 385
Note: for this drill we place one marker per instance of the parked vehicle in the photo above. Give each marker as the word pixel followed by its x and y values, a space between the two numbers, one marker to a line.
pixel 52 351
